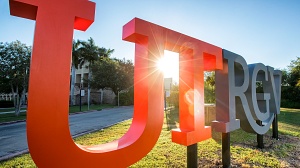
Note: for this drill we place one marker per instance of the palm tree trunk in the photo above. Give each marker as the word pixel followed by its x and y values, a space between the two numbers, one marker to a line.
pixel 73 85
pixel 89 88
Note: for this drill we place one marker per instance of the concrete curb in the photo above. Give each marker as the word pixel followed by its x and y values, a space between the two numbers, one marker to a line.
pixel 12 122
pixel 10 156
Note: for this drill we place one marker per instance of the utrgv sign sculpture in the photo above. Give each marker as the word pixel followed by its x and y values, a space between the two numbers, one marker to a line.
pixel 49 140
pixel 236 95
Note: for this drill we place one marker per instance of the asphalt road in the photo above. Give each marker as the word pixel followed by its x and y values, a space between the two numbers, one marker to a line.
pixel 13 139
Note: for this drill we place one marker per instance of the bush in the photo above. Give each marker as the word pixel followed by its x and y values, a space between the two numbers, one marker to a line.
pixel 209 97
pixel 173 100
pixel 126 98
pixel 290 97
pixel 290 93
pixel 289 104
pixel 6 104
pixel 209 94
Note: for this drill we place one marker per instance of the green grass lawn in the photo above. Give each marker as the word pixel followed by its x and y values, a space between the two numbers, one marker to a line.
pixel 73 109
pixel 277 153
pixel 12 117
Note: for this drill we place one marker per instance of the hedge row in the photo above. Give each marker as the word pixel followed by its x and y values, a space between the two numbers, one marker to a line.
pixel 6 104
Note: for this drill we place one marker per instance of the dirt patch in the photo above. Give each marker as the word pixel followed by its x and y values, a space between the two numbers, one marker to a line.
pixel 286 150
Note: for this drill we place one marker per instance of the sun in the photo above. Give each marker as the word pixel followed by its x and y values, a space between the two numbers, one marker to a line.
pixel 169 65
pixel 161 64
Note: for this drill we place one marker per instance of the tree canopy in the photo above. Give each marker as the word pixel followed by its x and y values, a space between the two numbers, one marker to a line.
pixel 115 74
pixel 14 70
pixel 290 93
pixel 82 52
pixel 294 73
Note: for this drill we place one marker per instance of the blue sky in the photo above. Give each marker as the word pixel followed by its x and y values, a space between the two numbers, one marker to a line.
pixel 266 31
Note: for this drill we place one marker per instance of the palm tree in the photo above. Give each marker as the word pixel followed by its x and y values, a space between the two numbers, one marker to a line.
pixel 90 52
pixel 103 52
pixel 86 51
pixel 77 60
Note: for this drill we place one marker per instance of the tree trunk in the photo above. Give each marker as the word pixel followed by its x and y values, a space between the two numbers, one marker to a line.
pixel 18 104
pixel 13 94
pixel 18 109
pixel 101 96
pixel 116 92
pixel 18 99
pixel 73 86
pixel 22 100
pixel 15 99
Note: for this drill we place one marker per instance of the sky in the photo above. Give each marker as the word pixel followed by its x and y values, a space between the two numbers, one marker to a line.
pixel 265 31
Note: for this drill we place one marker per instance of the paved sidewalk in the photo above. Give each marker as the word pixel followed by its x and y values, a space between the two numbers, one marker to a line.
pixel 8 112
pixel 13 140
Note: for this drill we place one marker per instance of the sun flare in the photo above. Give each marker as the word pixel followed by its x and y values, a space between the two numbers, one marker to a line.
pixel 169 65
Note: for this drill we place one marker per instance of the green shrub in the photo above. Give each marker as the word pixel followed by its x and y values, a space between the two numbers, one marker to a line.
pixel 6 104
pixel 126 98
pixel 290 93
pixel 290 97
pixel 209 94
pixel 289 104
pixel 173 100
